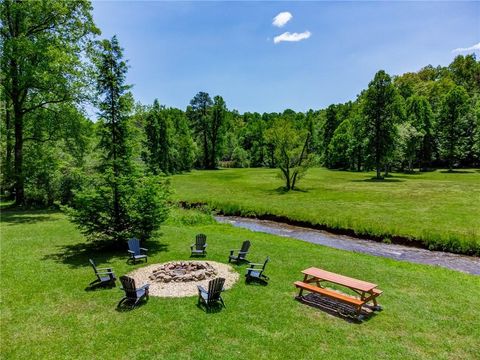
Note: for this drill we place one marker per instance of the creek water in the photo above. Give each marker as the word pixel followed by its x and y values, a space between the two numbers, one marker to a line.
pixel 467 264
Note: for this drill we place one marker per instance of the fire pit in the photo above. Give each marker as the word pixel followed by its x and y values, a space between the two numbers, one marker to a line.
pixel 183 271
pixel 178 278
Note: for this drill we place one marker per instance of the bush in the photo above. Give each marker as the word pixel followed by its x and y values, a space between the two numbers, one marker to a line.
pixel 142 208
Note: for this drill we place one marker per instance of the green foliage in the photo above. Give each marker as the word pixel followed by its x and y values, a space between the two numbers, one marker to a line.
pixel 291 151
pixel 451 124
pixel 159 141
pixel 141 210
pixel 420 116
pixel 240 158
pixel 43 47
pixel 191 217
pixel 409 143
pixel 199 114
pixel 380 108
pixel 339 151
pixel 118 203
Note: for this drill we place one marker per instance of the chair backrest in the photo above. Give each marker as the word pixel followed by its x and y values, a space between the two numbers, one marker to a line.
pixel 128 285
pixel 215 288
pixel 94 266
pixel 200 241
pixel 134 245
pixel 265 263
pixel 245 246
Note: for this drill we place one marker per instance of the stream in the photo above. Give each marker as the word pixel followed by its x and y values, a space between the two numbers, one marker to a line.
pixel 467 264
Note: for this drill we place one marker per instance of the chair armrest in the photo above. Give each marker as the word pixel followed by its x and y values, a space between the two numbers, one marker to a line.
pixel 131 252
pixel 102 269
pixel 145 287
pixel 242 252
pixel 201 289
pixel 144 249
pixel 192 246
pixel 204 246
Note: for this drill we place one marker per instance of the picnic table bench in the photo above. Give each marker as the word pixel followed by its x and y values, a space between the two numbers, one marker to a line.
pixel 367 291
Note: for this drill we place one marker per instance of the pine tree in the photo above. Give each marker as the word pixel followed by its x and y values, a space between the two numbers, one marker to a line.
pixel 379 109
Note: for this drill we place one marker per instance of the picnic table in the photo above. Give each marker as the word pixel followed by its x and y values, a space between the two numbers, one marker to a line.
pixel 367 291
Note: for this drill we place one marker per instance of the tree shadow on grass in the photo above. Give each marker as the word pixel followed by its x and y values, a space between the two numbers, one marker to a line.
pixel 457 172
pixel 16 217
pixel 375 180
pixel 77 255
pixel 283 191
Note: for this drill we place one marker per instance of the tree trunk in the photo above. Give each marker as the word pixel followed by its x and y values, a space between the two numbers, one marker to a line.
pixel 8 147
pixel 19 179
pixel 205 150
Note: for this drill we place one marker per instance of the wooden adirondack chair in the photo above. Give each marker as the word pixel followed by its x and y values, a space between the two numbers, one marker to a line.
pixel 200 246
pixel 132 294
pixel 213 295
pixel 242 253
pixel 135 250
pixel 105 276
pixel 255 271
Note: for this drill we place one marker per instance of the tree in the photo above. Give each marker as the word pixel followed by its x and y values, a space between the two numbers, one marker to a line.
pixel 184 148
pixel 410 140
pixel 119 203
pixel 41 59
pixel 217 129
pixel 208 120
pixel 159 140
pixel 199 115
pixel 290 151
pixel 329 127
pixel 451 124
pixel 339 150
pixel 420 116
pixel 379 110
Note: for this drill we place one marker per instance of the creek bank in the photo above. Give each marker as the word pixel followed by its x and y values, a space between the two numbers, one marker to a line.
pixel 386 238
pixel 464 263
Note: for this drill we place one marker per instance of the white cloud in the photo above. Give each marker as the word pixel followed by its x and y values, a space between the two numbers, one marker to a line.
pixel 471 48
pixel 281 19
pixel 286 36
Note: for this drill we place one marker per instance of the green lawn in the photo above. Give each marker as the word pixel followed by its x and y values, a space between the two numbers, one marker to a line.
pixel 439 209
pixel 429 312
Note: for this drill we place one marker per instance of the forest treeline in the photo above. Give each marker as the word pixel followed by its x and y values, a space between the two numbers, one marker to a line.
pixel 50 61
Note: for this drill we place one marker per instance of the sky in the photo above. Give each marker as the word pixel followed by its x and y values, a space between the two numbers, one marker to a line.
pixel 272 56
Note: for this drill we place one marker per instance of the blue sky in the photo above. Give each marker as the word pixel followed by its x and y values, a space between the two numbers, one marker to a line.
pixel 176 49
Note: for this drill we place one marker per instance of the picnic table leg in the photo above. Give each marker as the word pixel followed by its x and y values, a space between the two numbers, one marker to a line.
pixel 305 278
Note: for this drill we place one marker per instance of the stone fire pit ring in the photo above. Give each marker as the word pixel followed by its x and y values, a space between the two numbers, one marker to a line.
pixel 180 278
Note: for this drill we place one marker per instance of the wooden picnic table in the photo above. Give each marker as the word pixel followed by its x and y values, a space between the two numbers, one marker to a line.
pixel 366 290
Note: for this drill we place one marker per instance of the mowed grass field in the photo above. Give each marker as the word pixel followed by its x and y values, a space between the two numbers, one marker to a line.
pixel 47 313
pixel 440 210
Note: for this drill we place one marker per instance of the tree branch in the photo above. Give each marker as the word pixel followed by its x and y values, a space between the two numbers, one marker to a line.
pixel 46 102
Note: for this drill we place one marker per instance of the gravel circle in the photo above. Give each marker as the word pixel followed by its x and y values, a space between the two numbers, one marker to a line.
pixel 181 289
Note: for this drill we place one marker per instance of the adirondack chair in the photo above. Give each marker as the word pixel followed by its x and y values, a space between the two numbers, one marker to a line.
pixel 135 250
pixel 242 253
pixel 255 271
pixel 213 295
pixel 132 294
pixel 200 246
pixel 105 276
